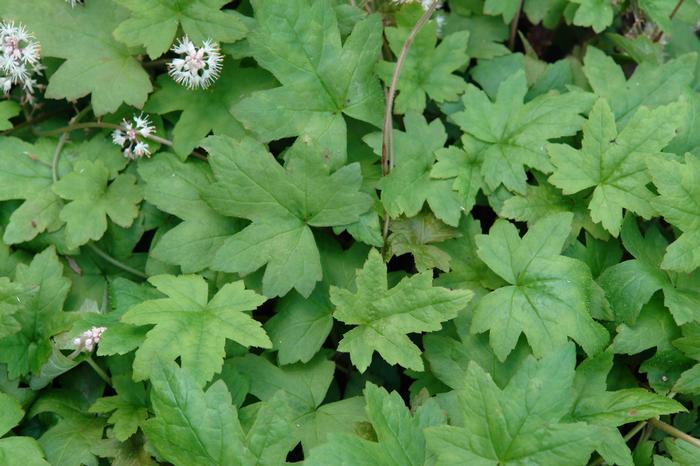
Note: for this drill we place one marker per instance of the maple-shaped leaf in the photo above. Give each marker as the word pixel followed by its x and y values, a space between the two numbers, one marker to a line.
pixel 12 296
pixel 298 41
pixel 651 85
pixel 92 200
pixel 178 188
pixel 428 68
pixel 548 294
pixel 399 434
pixel 614 164
pixel 383 317
pixel 306 386
pixel 196 427
pixel 515 132
pixel 95 62
pixel 40 317
pixel 207 110
pixel 154 23
pixel 283 204
pixel 409 185
pixel 524 423
pixel 629 285
pixel 679 202
pixel 415 235
pixel 75 428
pixel 190 326
pixel 128 407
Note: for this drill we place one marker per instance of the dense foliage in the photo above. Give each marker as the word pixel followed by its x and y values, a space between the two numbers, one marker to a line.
pixel 364 232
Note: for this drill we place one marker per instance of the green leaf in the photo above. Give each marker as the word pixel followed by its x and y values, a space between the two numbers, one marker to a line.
pixel 40 317
pixel 306 387
pixel 651 85
pixel 409 185
pixel 679 203
pixel 522 424
pixel 8 109
pixel 515 132
pixel 154 23
pixel 464 165
pixel 128 407
pixel 186 416
pixel 654 327
pixel 283 204
pixel 400 439
pixel 428 68
pixel 597 14
pixel 415 235
pixel 190 326
pixel 630 284
pixel 613 163
pixel 298 41
pixel 547 296
pixel 83 433
pixel 92 200
pixel 95 62
pixel 383 317
pixel 21 451
pixel 178 188
pixel 207 110
pixel 11 413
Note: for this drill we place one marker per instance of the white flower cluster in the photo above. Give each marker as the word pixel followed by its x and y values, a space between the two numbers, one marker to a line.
pixel 19 59
pixel 127 137
pixel 89 339
pixel 73 3
pixel 197 67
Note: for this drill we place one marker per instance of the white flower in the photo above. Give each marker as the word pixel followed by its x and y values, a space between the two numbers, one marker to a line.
pixel 424 3
pixel 73 3
pixel 19 58
pixel 197 67
pixel 89 339
pixel 127 136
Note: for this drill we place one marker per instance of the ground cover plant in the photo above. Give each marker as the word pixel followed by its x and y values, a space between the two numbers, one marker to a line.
pixel 349 232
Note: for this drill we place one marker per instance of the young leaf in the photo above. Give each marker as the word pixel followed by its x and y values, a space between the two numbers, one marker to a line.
pixel 192 426
pixel 428 67
pixel 613 163
pixel 415 235
pixel 679 203
pixel 597 14
pixel 409 185
pixel 298 41
pixel 515 132
pixel 154 23
pixel 95 62
pixel 630 284
pixel 383 317
pixel 190 326
pixel 400 438
pixel 40 317
pixel 651 85
pixel 283 204
pixel 547 296
pixel 521 424
pixel 92 200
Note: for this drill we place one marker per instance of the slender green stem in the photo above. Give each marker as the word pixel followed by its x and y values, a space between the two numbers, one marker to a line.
pixel 62 142
pixel 670 430
pixel 99 125
pixel 115 262
pixel 98 370
pixel 388 130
